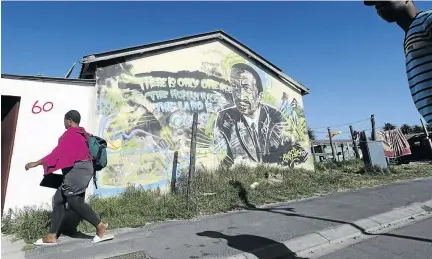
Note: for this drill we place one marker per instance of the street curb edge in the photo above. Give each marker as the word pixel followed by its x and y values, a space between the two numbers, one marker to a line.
pixel 314 243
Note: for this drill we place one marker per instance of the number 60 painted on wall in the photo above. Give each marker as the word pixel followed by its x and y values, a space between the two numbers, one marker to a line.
pixel 46 107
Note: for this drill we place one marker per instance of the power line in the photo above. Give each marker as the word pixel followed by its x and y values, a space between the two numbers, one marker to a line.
pixel 345 130
pixel 340 125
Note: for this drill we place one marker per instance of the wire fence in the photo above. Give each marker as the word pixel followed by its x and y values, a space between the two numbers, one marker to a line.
pixel 344 142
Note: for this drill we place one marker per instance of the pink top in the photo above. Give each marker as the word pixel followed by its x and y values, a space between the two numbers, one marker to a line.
pixel 72 147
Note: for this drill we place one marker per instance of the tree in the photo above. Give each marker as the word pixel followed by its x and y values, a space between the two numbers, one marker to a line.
pixel 311 134
pixel 389 126
pixel 406 129
pixel 417 129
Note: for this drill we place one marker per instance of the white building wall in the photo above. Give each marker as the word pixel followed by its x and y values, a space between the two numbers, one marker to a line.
pixel 37 134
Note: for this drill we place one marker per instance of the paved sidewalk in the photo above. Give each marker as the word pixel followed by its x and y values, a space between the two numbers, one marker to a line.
pixel 233 233
pixel 11 249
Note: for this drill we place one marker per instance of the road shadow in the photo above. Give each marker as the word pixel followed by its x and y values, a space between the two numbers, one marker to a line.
pixel 254 245
pixel 243 196
pixel 242 193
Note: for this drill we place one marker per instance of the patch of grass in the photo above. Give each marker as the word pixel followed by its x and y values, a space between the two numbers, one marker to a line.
pixel 218 190
pixel 26 223
pixel 28 247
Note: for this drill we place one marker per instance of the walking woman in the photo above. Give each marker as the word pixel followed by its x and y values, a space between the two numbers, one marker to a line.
pixel 73 157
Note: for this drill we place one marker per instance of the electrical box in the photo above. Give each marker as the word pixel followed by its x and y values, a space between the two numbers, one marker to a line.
pixel 373 153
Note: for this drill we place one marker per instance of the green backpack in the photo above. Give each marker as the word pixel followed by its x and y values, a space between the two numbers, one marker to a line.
pixel 97 147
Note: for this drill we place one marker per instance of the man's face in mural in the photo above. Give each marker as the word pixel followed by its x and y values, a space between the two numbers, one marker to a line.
pixel 245 93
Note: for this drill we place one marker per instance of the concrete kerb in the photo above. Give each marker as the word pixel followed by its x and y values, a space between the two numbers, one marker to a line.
pixel 346 234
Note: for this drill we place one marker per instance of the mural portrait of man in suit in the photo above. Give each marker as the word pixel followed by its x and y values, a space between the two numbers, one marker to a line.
pixel 250 128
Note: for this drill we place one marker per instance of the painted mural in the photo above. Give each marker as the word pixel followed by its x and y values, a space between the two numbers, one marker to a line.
pixel 145 108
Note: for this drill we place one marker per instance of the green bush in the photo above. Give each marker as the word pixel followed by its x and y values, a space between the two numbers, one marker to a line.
pixel 215 191
pixel 27 223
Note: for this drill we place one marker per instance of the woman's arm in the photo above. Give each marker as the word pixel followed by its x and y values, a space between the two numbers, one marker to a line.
pixel 33 164
pixel 38 163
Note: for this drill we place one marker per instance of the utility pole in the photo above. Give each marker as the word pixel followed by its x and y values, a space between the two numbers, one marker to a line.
pixel 174 172
pixel 343 152
pixel 373 134
pixel 192 156
pixel 331 143
pixel 313 150
pixel 354 142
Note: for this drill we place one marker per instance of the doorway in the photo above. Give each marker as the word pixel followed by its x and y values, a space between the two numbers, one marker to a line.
pixel 9 119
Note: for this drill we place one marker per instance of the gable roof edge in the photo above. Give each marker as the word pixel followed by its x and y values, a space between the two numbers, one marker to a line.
pixel 60 80
pixel 221 35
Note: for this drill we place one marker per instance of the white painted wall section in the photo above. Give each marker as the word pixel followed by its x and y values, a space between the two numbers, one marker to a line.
pixel 37 134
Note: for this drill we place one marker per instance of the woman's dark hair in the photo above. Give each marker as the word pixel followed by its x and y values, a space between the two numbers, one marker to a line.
pixel 74 116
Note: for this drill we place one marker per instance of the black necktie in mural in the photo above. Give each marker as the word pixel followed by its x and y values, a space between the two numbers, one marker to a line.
pixel 255 138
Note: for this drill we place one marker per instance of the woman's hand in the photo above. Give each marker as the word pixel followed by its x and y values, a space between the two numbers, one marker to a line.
pixel 31 165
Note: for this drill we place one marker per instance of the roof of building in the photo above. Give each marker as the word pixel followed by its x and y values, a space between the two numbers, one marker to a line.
pixel 327 142
pixel 194 39
pixel 417 135
pixel 76 81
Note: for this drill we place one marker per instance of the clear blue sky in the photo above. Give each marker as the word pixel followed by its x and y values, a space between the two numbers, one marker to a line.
pixel 352 61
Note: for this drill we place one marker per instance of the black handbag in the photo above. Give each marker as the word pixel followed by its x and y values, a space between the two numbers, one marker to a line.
pixel 52 181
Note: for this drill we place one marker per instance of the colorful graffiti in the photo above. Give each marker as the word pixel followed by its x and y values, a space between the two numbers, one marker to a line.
pixel 147 115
